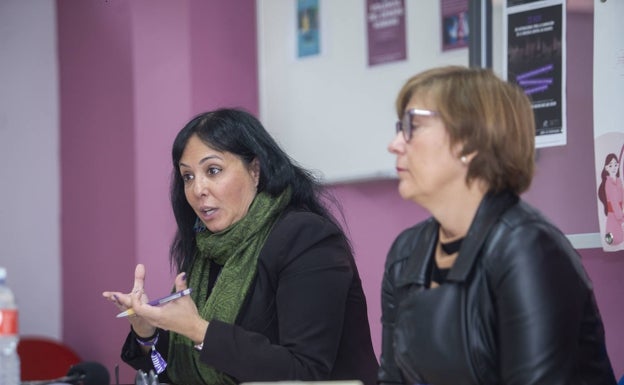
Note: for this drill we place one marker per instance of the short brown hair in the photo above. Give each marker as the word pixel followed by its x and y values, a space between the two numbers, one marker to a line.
pixel 489 116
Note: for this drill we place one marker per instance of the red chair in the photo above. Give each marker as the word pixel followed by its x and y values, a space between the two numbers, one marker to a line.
pixel 43 358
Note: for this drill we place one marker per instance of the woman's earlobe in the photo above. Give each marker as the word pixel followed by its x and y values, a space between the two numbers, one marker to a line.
pixel 466 158
pixel 255 170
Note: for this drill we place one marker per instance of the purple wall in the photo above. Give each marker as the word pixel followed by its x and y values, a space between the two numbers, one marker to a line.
pixel 374 215
pixel 224 55
pixel 133 72
pixel 161 104
pixel 97 170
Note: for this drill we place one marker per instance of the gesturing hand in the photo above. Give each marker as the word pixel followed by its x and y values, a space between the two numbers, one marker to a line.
pixel 134 300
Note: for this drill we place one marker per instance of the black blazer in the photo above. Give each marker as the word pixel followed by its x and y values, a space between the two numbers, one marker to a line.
pixel 305 316
pixel 516 308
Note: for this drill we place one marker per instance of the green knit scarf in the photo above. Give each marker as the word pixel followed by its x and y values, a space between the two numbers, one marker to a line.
pixel 236 249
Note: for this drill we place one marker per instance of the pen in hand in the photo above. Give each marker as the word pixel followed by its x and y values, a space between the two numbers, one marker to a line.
pixel 159 301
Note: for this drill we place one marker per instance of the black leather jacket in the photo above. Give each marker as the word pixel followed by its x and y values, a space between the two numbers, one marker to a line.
pixel 517 306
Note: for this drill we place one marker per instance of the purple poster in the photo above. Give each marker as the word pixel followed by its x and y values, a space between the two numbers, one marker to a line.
pixel 455 31
pixel 535 63
pixel 385 20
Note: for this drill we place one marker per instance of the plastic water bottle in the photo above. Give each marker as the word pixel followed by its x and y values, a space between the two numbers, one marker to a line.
pixel 9 360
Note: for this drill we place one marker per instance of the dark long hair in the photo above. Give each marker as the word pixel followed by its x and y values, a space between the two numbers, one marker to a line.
pixel 240 133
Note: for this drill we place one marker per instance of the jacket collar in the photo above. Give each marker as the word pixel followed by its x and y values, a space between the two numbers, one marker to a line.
pixel 488 214
pixel 421 249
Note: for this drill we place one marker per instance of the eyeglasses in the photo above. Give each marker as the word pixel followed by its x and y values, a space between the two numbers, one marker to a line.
pixel 406 124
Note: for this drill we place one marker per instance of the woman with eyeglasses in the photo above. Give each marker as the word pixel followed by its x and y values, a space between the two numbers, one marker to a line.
pixel 487 290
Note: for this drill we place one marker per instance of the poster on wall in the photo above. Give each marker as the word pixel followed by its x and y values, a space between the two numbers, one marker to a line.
pixel 609 121
pixel 534 58
pixel 308 28
pixel 385 26
pixel 455 30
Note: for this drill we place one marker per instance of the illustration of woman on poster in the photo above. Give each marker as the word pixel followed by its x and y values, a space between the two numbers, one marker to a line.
pixel 611 194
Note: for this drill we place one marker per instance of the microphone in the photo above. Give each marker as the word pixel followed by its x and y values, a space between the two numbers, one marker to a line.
pixel 89 373
pixel 84 373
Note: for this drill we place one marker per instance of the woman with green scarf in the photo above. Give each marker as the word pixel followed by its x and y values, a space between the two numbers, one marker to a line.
pixel 275 292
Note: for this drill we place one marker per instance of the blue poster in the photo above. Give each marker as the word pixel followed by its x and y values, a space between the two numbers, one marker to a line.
pixel 308 32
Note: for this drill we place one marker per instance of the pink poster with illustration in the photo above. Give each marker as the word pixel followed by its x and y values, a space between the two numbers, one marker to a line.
pixel 609 121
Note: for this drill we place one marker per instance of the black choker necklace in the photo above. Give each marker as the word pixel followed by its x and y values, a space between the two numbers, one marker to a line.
pixel 451 247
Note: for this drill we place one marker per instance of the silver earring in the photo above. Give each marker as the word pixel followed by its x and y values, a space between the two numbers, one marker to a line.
pixel 463 159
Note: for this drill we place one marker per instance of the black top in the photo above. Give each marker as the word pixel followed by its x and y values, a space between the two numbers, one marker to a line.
pixel 304 319
pixel 439 274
